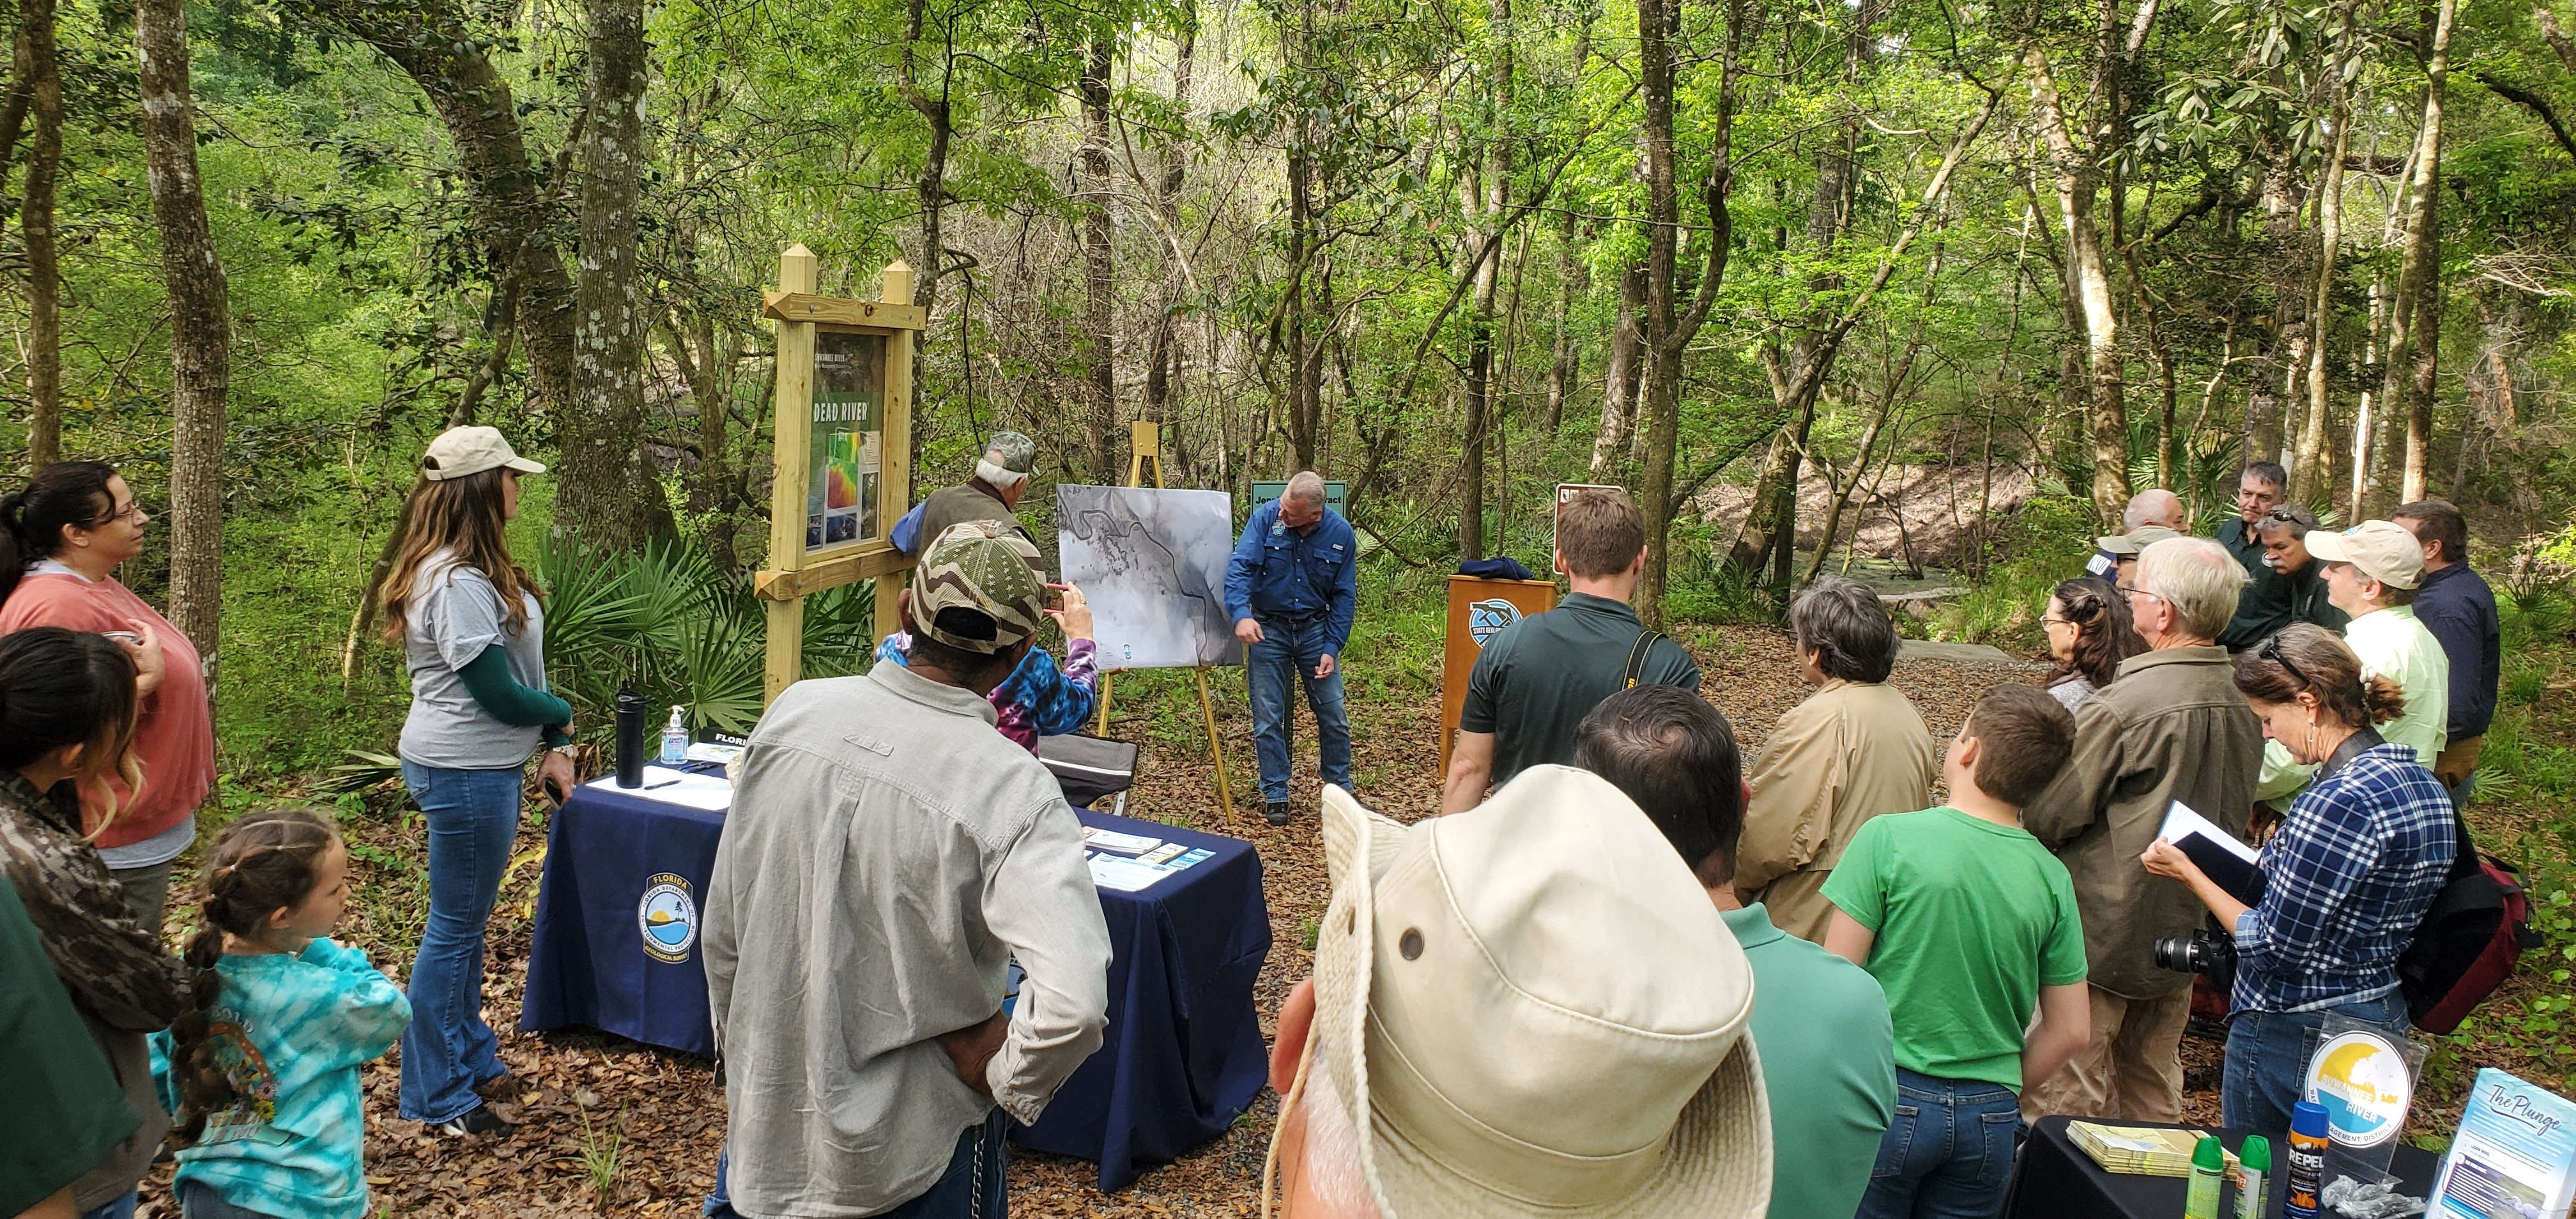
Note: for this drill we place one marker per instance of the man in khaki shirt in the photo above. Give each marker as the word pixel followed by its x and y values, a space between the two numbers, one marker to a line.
pixel 2171 727
pixel 1855 749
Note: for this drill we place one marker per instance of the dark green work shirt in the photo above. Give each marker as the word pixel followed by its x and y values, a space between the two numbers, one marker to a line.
pixel 63 1101
pixel 2308 603
pixel 2264 607
pixel 1538 678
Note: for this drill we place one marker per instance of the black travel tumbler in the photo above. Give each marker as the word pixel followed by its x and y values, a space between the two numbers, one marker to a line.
pixel 630 737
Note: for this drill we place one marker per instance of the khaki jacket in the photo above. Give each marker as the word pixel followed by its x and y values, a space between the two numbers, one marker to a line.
pixel 1853 750
pixel 2172 727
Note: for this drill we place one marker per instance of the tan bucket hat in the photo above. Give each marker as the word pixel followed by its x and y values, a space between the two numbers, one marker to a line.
pixel 2137 542
pixel 1532 1009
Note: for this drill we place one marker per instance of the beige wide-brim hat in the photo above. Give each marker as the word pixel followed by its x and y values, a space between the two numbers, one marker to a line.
pixel 1533 1009
pixel 2135 542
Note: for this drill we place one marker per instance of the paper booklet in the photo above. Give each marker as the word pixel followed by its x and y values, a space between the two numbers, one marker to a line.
pixel 2514 1157
pixel 2220 856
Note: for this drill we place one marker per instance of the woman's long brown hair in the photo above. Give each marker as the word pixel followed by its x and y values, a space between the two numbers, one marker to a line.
pixel 2103 634
pixel 463 516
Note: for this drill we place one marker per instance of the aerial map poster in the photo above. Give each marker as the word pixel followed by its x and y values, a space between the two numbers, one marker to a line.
pixel 843 449
pixel 1152 564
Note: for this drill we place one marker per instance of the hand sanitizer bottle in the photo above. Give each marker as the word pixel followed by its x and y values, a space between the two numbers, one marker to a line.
pixel 675 737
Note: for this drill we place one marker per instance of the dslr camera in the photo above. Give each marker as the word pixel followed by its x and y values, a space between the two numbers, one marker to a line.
pixel 2204 952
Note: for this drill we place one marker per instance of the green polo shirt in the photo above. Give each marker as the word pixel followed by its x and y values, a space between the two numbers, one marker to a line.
pixel 63 1100
pixel 1828 1062
pixel 1538 678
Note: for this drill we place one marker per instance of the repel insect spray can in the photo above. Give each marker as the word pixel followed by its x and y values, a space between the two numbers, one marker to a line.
pixel 2308 1143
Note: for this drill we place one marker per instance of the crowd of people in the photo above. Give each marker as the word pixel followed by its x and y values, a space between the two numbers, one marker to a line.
pixel 1628 970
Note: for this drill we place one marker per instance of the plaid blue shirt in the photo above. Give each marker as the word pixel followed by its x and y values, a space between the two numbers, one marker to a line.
pixel 2359 860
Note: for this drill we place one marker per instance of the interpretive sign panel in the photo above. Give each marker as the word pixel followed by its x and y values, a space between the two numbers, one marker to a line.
pixel 846 448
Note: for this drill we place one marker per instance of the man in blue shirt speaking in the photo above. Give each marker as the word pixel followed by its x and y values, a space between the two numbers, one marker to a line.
pixel 1290 589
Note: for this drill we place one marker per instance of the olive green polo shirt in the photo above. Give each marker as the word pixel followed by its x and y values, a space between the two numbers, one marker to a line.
pixel 1538 678
pixel 1828 1061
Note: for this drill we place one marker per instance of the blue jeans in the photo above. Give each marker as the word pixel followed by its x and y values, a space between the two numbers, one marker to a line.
pixel 448 1051
pixel 122 1208
pixel 953 1195
pixel 1288 653
pixel 2267 1058
pixel 1949 1152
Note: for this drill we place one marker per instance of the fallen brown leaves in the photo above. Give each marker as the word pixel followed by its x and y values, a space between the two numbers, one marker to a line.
pixel 572 1093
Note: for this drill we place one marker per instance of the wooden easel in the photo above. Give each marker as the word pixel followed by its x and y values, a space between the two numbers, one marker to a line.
pixel 1145 443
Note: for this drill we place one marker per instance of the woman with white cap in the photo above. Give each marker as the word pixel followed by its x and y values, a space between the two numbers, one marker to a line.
pixel 473 635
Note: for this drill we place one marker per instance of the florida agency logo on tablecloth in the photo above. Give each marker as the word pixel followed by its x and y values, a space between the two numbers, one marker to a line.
pixel 1486 619
pixel 669 918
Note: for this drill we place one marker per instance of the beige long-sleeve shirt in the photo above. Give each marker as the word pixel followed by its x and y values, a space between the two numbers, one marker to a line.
pixel 1853 750
pixel 887 854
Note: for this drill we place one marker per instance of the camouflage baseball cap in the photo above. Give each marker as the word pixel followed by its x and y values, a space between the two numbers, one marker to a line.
pixel 975 590
pixel 1018 453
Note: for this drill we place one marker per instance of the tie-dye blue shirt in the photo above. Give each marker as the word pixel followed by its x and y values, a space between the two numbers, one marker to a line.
pixel 292 1032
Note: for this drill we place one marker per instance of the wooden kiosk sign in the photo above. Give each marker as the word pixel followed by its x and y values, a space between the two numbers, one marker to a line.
pixel 843 433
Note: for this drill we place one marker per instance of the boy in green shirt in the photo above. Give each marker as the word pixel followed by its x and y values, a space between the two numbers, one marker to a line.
pixel 1969 925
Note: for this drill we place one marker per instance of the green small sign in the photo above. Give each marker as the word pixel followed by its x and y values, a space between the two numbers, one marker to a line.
pixel 1337 494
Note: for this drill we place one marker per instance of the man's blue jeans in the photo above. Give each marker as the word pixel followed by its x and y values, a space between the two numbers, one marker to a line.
pixel 975 1168
pixel 1288 653
pixel 2267 1058
pixel 1949 1152
pixel 449 1051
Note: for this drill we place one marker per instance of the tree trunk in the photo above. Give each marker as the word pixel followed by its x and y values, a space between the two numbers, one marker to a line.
pixel 930 189
pixel 608 491
pixel 1668 329
pixel 1621 374
pixel 2311 475
pixel 2077 184
pixel 40 69
pixel 511 197
pixel 1486 212
pixel 2412 353
pixel 200 325
pixel 1564 359
pixel 1100 304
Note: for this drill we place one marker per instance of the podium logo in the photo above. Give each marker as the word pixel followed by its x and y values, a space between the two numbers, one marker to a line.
pixel 1486 619
pixel 668 916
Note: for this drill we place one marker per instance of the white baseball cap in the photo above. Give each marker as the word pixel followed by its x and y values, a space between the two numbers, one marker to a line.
pixel 2379 550
pixel 460 451
pixel 1531 1010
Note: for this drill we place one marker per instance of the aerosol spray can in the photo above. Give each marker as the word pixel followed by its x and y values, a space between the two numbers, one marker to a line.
pixel 2308 1143
pixel 2253 1177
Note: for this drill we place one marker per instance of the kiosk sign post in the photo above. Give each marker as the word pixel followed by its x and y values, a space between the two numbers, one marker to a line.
pixel 840 466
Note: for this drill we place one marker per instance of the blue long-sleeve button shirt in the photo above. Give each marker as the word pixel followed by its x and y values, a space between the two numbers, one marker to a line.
pixel 1279 573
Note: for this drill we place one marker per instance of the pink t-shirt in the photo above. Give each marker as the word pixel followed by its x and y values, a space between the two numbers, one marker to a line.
pixel 175 738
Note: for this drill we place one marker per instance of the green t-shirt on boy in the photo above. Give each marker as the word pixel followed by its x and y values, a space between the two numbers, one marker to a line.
pixel 1971 919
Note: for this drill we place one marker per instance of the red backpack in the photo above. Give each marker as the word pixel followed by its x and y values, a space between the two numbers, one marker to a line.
pixel 2469 940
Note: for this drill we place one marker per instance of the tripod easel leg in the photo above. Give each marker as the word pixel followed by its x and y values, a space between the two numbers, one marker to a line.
pixel 1216 746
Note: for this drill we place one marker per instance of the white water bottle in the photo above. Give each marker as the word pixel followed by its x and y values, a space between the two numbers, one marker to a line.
pixel 675 737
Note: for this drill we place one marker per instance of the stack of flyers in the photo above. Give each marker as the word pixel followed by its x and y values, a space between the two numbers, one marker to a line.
pixel 1123 875
pixel 1111 840
pixel 2144 1150
pixel 2514 1157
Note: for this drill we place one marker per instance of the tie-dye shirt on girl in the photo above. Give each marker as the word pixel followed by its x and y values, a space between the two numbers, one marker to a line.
pixel 1037 699
pixel 291 1032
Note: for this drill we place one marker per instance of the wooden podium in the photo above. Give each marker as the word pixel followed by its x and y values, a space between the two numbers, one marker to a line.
pixel 1477 610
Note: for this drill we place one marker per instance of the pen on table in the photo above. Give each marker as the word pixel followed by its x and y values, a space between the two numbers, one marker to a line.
pixel 663 783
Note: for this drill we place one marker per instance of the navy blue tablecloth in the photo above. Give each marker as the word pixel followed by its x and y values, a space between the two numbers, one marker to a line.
pixel 1183 1055
pixel 600 957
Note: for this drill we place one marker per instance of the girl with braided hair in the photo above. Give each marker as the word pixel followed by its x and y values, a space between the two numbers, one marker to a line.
pixel 266 1058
